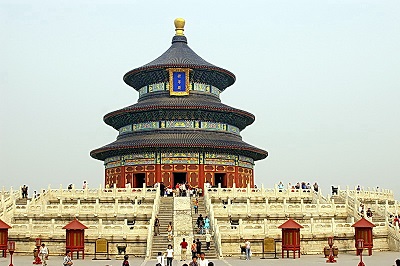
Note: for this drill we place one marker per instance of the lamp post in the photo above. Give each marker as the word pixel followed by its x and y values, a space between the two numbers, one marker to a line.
pixel 11 249
pixel 331 258
pixel 360 247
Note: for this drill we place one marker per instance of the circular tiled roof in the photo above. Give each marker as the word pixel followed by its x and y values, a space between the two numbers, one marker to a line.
pixel 168 139
pixel 194 106
pixel 179 55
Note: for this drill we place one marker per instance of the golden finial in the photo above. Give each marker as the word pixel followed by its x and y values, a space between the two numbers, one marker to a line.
pixel 179 24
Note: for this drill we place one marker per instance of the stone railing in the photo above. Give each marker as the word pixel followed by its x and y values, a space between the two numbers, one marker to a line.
pixel 369 194
pixel 150 232
pixel 312 229
pixel 260 192
pixel 214 224
pixel 96 229
pixel 394 237
pixel 285 208
pixel 99 202
pixel 7 203
pixel 62 193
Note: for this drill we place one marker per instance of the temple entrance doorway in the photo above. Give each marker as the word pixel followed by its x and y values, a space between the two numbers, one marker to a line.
pixel 179 178
pixel 220 178
pixel 139 180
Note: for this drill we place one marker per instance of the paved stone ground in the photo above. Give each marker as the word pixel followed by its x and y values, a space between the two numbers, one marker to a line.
pixel 377 259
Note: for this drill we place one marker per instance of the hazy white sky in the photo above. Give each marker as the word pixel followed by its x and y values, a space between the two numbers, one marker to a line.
pixel 321 77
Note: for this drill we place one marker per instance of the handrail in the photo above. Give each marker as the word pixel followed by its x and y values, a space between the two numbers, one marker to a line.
pixel 214 224
pixel 150 233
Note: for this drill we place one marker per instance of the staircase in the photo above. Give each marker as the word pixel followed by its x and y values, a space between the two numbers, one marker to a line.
pixel 165 215
pixel 212 253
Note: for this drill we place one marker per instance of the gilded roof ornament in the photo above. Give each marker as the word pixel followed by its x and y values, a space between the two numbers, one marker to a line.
pixel 179 26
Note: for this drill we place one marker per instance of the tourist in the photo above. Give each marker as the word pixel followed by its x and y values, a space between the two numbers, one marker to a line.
pixel 183 190
pixel 35 195
pixel 206 224
pixel 69 187
pixel 170 255
pixel 201 226
pixel 44 252
pixel 125 262
pixel 248 250
pixel 193 248
pixel 369 213
pixel 160 259
pixel 169 230
pixel 361 210
pixel 85 185
pixel 280 186
pixel 162 189
pixel 198 247
pixel 67 259
pixel 203 261
pixel 210 263
pixel 397 262
pixel 183 245
pixel 196 206
pixel 194 261
pixel 358 188
pixel 24 191
pixel 156 226
pixel 396 221
pixel 199 221
pixel 315 186
pixel 208 240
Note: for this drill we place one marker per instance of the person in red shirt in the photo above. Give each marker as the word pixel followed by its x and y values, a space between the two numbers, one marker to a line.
pixel 396 221
pixel 184 245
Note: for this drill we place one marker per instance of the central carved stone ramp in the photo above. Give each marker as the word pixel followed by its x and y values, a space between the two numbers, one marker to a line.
pixel 165 215
pixel 212 253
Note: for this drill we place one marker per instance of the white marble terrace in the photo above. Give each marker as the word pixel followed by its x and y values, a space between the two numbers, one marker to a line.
pixel 125 215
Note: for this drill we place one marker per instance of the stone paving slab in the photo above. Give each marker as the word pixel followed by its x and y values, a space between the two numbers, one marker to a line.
pixel 377 259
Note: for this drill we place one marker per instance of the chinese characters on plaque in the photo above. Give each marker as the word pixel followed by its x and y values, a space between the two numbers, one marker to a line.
pixel 179 81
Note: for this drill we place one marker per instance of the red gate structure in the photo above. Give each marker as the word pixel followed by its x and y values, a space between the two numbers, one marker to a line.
pixel 363 230
pixel 75 237
pixel 290 237
pixel 4 237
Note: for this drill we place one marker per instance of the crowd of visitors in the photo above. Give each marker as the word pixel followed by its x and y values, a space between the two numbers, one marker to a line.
pixel 179 190
pixel 297 186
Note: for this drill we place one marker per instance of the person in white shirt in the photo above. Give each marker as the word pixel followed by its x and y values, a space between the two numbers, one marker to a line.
pixel 44 252
pixel 170 255
pixel 161 259
pixel 67 259
pixel 203 261
pixel 248 252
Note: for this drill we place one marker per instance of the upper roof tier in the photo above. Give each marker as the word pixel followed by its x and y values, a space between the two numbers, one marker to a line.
pixel 179 55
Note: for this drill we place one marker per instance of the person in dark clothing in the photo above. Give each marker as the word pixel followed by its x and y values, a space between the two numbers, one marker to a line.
pixel 198 246
pixel 162 188
pixel 199 221
pixel 125 262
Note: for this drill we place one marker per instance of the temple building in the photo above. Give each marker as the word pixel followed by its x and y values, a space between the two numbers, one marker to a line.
pixel 179 131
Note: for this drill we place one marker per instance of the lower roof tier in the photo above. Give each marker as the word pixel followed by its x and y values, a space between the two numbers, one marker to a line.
pixel 169 140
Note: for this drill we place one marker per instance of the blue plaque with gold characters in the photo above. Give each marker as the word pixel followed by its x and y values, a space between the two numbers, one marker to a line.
pixel 179 81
